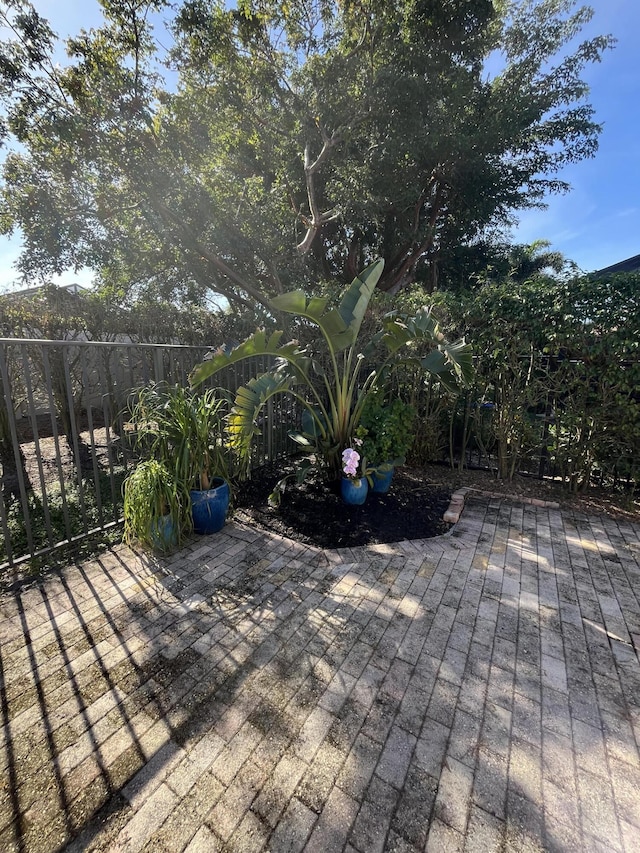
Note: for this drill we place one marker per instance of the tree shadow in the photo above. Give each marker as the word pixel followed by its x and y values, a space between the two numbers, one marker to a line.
pixel 373 670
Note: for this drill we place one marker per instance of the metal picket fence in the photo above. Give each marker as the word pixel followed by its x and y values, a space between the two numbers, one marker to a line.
pixel 64 448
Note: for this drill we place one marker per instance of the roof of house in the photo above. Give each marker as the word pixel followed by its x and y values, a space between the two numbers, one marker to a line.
pixel 15 295
pixel 630 265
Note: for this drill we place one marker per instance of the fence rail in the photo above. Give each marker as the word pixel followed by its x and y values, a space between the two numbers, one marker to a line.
pixel 64 448
pixel 64 452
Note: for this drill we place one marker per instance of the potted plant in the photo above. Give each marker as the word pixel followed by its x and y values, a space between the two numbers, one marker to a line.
pixel 354 485
pixel 329 382
pixel 152 506
pixel 386 429
pixel 184 430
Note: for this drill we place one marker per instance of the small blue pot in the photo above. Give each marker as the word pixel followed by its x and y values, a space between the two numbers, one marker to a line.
pixel 164 533
pixel 209 508
pixel 354 492
pixel 382 480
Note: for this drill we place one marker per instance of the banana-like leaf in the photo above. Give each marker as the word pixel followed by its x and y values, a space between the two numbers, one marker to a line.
pixel 318 368
pixel 460 357
pixel 354 303
pixel 295 302
pixel 298 366
pixel 451 362
pixel 340 325
pixel 313 424
pixel 292 302
pixel 242 423
pixel 317 306
pixel 258 344
pixel 448 380
pixel 400 329
pixel 303 469
pixel 454 359
pixel 395 335
pixel 301 439
pixel 425 324
pixel 434 363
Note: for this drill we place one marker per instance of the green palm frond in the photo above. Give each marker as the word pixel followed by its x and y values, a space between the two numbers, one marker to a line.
pixel 242 423
pixel 340 326
pixel 258 344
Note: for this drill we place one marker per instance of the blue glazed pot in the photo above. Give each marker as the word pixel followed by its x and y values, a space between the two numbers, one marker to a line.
pixel 164 533
pixel 209 508
pixel 354 491
pixel 382 480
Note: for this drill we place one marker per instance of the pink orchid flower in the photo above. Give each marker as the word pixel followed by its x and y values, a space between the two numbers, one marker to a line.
pixel 350 460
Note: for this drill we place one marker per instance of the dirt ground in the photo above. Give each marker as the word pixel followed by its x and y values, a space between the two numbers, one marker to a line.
pixel 594 501
pixel 314 513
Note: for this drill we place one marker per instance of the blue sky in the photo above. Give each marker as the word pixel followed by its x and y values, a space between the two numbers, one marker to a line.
pixel 595 225
pixel 598 223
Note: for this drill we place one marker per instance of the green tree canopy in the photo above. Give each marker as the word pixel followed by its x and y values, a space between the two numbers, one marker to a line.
pixel 296 141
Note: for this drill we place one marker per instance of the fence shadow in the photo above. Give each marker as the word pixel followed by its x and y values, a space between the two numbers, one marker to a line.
pixel 246 666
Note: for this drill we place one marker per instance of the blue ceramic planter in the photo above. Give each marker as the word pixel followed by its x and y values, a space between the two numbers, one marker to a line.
pixel 164 533
pixel 382 480
pixel 354 491
pixel 209 508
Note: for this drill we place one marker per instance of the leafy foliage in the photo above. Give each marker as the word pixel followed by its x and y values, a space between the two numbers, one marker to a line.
pixel 334 395
pixel 179 434
pixel 300 141
pixel 81 509
pixel 151 495
pixel 387 430
pixel 183 430
pixel 557 368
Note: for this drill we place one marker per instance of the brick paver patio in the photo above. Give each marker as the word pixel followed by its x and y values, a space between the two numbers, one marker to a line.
pixel 477 692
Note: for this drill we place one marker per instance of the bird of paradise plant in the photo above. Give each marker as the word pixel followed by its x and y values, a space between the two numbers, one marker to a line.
pixel 333 397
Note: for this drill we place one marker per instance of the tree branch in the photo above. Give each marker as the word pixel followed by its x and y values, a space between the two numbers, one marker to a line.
pixel 392 282
pixel 318 219
pixel 192 243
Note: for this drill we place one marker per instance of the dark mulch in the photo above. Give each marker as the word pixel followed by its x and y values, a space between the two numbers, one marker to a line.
pixel 314 513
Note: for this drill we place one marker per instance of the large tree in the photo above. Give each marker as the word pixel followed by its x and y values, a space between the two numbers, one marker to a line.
pixel 294 142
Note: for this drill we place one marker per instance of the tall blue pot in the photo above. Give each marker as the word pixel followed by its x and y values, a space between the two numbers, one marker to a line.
pixel 354 491
pixel 209 508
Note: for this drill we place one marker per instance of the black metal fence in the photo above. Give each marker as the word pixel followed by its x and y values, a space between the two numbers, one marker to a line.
pixel 64 449
pixel 65 446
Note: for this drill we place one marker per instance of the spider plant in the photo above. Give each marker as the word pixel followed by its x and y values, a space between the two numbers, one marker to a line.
pixel 152 506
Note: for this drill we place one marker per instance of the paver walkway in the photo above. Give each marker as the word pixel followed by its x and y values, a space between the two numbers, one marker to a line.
pixel 478 692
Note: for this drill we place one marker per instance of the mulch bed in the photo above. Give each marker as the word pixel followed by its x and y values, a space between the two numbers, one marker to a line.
pixel 314 513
